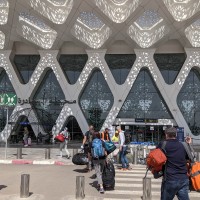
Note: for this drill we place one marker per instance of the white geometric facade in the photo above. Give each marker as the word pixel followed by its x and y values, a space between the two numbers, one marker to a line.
pixel 192 33
pixel 96 24
pixel 144 58
pixel 148 29
pixel 36 31
pixel 4 10
pixel 117 10
pixel 91 30
pixel 55 10
pixel 182 9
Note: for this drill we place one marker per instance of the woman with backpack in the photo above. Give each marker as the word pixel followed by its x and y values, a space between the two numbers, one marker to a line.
pixel 98 154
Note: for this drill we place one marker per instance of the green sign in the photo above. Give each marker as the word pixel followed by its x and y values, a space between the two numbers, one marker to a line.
pixel 8 99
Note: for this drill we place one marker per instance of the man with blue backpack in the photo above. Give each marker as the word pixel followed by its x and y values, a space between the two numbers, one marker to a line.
pixel 98 154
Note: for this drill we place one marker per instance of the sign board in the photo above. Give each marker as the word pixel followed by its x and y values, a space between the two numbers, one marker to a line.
pixel 151 128
pixel 180 134
pixel 8 99
pixel 140 120
pixel 126 127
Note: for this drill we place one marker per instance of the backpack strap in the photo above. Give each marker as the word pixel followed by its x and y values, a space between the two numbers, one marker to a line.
pixel 190 151
pixel 165 167
pixel 163 146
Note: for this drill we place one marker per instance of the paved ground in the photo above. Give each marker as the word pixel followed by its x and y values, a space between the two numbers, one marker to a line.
pixel 50 182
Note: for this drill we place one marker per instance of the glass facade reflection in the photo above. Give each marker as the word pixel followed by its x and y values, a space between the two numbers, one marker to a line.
pixel 144 100
pixel 96 100
pixel 170 65
pixel 48 101
pixel 120 65
pixel 189 101
pixel 5 87
pixel 26 65
pixel 72 66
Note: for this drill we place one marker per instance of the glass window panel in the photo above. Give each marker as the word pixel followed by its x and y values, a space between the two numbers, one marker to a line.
pixel 48 101
pixel 72 66
pixel 5 87
pixel 120 65
pixel 26 65
pixel 171 63
pixel 188 101
pixel 96 99
pixel 144 100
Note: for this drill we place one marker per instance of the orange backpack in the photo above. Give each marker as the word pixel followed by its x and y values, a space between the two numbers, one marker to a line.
pixel 156 160
pixel 195 175
pixel 194 171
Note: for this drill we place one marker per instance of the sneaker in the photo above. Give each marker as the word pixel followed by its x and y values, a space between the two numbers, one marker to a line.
pixel 68 157
pixel 101 190
pixel 26 145
pixel 123 169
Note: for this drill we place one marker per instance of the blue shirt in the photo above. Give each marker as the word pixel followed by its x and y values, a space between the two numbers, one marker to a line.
pixel 177 157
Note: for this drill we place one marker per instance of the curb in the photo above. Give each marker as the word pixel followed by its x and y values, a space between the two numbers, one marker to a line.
pixel 35 162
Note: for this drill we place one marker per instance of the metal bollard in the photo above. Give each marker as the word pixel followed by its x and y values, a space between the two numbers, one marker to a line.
pixel 24 188
pixel 80 187
pixel 47 153
pixel 75 151
pixel 147 189
pixel 135 156
pixel 197 155
pixel 19 153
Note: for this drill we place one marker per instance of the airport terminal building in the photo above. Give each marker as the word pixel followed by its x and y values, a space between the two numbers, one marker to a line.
pixel 134 63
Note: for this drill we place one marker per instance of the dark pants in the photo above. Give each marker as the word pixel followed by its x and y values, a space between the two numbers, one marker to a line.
pixel 179 188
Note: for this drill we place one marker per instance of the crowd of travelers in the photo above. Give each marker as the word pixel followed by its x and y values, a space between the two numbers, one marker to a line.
pixel 175 179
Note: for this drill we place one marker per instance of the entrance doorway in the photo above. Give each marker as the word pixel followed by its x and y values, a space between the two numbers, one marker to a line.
pixel 145 133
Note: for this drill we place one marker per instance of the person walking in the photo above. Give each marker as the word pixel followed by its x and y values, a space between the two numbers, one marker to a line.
pixel 63 145
pixel 25 137
pixel 122 149
pixel 175 180
pixel 87 140
pixel 99 162
pixel 105 136
pixel 115 139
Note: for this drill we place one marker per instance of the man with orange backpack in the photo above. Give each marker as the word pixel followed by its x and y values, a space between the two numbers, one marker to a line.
pixel 105 135
pixel 175 179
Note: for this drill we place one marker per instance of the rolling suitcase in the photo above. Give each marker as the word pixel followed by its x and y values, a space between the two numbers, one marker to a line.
pixel 108 176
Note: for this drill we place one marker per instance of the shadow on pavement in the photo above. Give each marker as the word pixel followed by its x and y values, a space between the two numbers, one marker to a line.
pixel 81 170
pixel 2 187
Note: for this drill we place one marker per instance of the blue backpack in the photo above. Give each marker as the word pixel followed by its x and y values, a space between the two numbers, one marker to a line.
pixel 98 150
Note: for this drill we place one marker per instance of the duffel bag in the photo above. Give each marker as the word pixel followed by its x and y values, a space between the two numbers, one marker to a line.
pixel 80 159
pixel 109 146
pixel 60 138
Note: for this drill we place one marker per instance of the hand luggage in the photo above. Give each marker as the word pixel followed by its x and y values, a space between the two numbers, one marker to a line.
pixel 60 138
pixel 108 176
pixel 156 161
pixel 80 159
pixel 194 168
pixel 109 146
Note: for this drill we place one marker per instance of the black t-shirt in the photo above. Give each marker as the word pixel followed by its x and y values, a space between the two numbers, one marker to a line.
pixel 177 157
pixel 90 136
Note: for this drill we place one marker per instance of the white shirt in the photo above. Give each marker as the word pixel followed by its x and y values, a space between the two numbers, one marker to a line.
pixel 121 138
